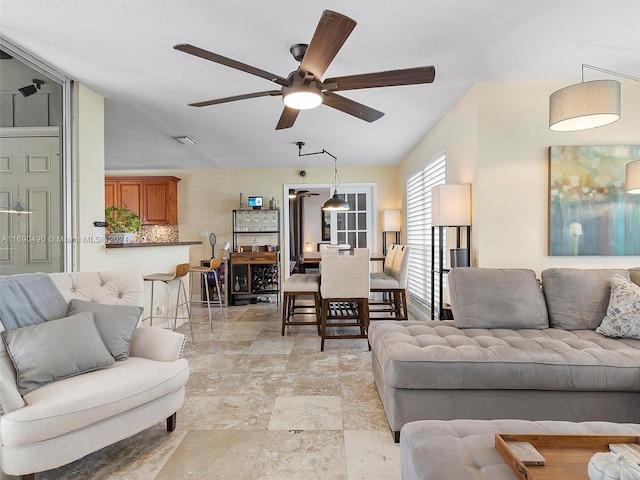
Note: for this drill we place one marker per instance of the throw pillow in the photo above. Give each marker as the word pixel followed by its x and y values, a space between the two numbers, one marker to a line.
pixel 623 313
pixel 28 299
pixel 116 324
pixel 54 350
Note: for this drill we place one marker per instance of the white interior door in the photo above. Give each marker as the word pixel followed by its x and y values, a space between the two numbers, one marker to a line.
pixel 355 226
pixel 30 174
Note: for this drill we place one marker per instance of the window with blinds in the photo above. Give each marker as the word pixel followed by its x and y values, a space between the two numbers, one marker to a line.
pixel 419 185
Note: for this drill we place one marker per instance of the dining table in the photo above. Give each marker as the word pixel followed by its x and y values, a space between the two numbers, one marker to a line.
pixel 313 259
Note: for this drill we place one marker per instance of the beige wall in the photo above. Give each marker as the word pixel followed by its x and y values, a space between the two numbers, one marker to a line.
pixel 497 138
pixel 206 197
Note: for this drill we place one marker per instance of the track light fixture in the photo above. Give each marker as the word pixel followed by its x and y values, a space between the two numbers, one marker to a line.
pixel 335 202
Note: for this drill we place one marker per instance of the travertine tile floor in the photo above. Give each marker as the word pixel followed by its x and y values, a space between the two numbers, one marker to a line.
pixel 260 406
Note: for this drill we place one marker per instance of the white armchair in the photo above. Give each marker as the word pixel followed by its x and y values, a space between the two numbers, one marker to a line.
pixel 66 419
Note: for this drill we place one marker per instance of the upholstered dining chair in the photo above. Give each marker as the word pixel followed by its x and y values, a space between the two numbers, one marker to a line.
pixel 167 278
pixel 300 285
pixel 205 272
pixel 392 283
pixel 344 287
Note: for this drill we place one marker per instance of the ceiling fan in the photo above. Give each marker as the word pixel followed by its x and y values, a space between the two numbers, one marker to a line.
pixel 304 88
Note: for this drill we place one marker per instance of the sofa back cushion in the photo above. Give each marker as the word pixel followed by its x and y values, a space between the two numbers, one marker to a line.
pixel 496 298
pixel 577 299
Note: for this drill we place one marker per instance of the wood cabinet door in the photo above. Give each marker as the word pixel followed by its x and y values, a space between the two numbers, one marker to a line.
pixel 130 196
pixel 110 196
pixel 161 204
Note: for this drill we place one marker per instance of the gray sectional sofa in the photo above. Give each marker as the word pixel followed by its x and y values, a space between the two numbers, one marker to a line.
pixel 517 348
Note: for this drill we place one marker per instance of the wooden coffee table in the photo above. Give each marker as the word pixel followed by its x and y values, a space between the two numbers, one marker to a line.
pixel 566 456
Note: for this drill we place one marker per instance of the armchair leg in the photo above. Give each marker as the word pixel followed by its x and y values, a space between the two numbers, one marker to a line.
pixel 171 422
pixel 29 476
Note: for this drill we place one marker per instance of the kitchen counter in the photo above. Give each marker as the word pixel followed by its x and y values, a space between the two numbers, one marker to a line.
pixel 150 244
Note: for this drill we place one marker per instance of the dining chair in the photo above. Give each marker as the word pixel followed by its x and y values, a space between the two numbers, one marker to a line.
pixel 392 284
pixel 205 272
pixel 300 285
pixel 344 287
pixel 168 278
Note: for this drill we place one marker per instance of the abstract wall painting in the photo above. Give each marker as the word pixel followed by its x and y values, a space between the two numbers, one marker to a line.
pixel 590 212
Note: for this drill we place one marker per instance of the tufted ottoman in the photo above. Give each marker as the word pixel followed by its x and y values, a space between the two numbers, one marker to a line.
pixel 434 370
pixel 464 449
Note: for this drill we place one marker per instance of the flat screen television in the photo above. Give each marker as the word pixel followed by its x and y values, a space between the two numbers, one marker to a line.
pixel 255 203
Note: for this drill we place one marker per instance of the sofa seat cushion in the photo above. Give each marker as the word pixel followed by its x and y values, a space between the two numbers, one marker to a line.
pixel 465 449
pixel 437 355
pixel 76 402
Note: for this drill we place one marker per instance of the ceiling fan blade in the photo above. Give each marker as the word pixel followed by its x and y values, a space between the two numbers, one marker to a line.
pixel 206 103
pixel 332 31
pixel 390 78
pixel 288 118
pixel 243 67
pixel 351 107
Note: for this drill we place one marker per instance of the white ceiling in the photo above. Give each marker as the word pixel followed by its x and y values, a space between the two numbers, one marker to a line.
pixel 123 51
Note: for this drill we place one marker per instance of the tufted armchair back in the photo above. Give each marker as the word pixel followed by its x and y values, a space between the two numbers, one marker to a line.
pixel 111 287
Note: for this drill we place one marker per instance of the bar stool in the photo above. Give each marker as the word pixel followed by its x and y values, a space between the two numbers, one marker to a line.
pixel 167 278
pixel 214 264
pixel 393 283
pixel 300 285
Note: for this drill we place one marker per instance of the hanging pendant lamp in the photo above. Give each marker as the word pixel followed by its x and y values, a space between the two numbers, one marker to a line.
pixel 587 104
pixel 335 202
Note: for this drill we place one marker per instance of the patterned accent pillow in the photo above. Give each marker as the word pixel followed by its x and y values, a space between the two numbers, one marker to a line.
pixel 623 313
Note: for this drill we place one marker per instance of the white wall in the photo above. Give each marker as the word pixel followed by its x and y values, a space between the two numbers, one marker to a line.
pixel 497 138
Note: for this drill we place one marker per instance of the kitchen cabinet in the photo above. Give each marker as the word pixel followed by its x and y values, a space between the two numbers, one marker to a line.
pixel 154 199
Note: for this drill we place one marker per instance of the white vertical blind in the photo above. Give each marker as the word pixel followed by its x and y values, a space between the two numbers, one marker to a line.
pixel 419 185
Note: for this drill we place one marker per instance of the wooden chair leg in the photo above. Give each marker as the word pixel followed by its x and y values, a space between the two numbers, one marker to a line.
pixel 316 299
pixel 28 476
pixel 171 422
pixel 323 323
pixel 285 310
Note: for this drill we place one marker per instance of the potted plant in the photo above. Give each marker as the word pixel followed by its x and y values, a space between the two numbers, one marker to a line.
pixel 122 224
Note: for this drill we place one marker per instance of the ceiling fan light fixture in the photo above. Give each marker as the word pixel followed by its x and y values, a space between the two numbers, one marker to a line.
pixel 301 97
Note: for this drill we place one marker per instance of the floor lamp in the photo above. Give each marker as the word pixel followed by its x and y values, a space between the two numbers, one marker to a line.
pixel 390 224
pixel 450 207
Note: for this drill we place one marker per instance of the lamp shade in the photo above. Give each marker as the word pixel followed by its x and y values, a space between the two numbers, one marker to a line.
pixel 633 177
pixel 584 105
pixel 451 205
pixel 335 203
pixel 391 221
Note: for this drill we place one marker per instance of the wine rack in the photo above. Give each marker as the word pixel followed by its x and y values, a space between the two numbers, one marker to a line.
pixel 255 269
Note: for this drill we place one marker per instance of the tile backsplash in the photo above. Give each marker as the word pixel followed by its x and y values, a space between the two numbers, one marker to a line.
pixel 157 234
